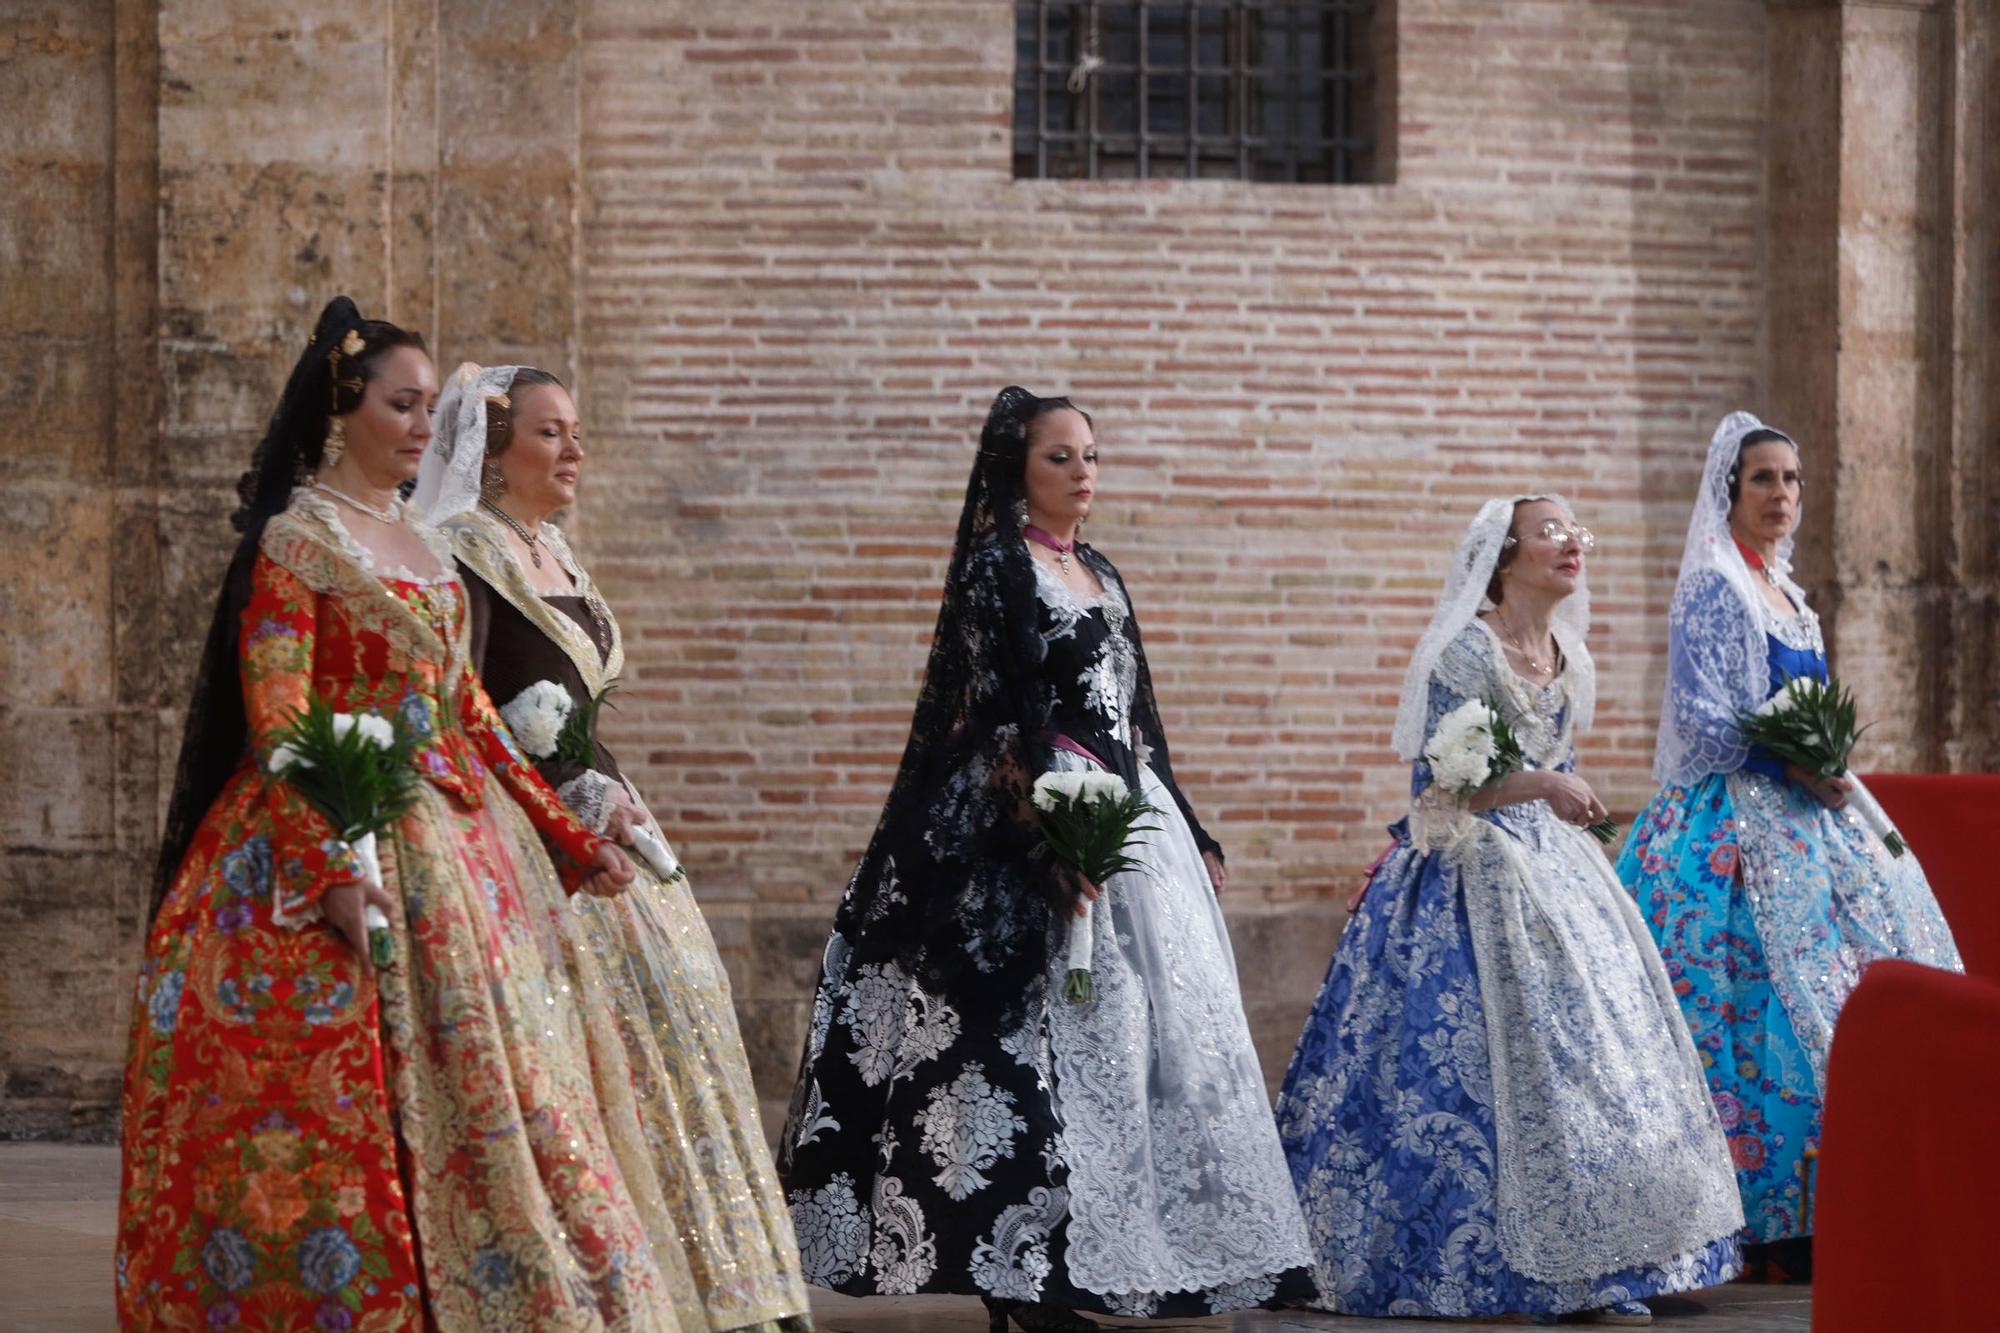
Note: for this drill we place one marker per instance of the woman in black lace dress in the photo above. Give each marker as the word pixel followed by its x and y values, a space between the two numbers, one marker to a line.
pixel 958 1125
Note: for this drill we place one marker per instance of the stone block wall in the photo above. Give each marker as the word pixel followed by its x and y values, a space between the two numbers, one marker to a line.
pixel 779 251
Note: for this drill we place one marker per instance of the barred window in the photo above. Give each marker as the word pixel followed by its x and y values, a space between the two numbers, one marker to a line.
pixel 1253 90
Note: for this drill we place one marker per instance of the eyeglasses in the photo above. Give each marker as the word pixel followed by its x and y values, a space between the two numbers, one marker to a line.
pixel 1553 532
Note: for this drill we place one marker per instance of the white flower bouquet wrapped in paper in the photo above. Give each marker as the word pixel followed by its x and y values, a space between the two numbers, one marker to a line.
pixel 1811 723
pixel 354 768
pixel 1088 819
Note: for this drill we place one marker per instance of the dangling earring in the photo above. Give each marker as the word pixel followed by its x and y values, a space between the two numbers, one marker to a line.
pixel 491 483
pixel 336 443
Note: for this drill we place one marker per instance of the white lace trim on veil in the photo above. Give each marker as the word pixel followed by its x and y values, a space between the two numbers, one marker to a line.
pixel 1459 604
pixel 1718 662
pixel 449 475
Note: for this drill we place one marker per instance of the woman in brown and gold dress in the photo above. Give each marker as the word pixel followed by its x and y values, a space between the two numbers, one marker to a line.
pixel 506 456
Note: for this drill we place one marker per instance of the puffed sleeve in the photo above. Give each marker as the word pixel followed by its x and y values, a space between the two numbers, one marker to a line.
pixel 1708 644
pixel 275 656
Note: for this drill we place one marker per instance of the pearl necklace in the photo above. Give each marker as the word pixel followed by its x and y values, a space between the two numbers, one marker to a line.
pixel 388 515
pixel 533 539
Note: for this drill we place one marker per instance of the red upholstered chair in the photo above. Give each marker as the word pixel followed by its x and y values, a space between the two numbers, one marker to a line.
pixel 1908 1174
pixel 1950 821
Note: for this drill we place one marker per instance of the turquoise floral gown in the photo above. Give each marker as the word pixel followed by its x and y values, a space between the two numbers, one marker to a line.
pixel 1766 903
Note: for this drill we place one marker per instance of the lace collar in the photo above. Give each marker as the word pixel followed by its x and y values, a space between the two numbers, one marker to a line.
pixel 1800 629
pixel 1056 594
pixel 307 500
pixel 478 539
pixel 1540 713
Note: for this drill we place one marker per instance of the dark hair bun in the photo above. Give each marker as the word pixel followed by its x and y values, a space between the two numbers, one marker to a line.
pixel 339 316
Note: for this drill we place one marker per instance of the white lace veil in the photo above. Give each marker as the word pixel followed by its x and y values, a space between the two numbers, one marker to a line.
pixel 1718 662
pixel 1461 601
pixel 448 478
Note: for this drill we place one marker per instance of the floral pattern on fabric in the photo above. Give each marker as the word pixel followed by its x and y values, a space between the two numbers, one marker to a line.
pixel 926 1148
pixel 269 1078
pixel 1681 864
pixel 1767 906
pixel 665 996
pixel 1392 1112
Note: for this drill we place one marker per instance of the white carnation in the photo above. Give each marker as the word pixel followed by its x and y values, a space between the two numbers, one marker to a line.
pixel 1087 787
pixel 1098 786
pixel 536 717
pixel 1460 751
pixel 1051 786
pixel 1461 770
pixel 1784 698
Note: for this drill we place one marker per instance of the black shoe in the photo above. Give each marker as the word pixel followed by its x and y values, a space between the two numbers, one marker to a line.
pixel 1034 1318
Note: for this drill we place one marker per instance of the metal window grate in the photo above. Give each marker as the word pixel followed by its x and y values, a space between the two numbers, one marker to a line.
pixel 1255 90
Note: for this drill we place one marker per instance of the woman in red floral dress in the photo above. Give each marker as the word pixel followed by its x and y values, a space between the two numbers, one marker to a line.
pixel 311 1142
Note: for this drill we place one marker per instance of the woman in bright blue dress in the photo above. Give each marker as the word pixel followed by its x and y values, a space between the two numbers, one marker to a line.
pixel 1766 895
pixel 1495 1106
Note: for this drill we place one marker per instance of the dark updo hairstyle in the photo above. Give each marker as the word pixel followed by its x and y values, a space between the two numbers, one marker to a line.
pixel 500 413
pixel 1750 441
pixel 328 380
pixel 1003 455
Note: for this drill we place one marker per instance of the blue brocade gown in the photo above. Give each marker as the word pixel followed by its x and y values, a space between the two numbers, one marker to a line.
pixel 1494 1106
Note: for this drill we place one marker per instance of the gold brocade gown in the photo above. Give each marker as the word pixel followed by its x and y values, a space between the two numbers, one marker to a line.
pixel 666 987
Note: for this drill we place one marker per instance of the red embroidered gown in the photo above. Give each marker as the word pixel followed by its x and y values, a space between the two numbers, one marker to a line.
pixel 270 1083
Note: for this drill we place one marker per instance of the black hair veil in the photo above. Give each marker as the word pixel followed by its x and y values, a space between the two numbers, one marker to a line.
pixel 327 380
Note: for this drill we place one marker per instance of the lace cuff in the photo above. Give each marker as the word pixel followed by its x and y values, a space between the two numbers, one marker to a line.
pixel 588 795
pixel 1439 820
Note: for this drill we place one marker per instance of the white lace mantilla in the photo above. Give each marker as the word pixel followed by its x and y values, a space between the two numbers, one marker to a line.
pixel 1610 1153
pixel 1177 1181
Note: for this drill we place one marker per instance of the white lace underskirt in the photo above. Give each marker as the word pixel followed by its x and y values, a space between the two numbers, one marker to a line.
pixel 1610 1153
pixel 1177 1181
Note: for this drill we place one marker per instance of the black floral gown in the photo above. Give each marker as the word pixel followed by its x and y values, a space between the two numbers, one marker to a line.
pixel 957 1126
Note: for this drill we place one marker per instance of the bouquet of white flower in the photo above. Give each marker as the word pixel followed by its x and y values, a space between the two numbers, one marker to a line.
pixel 354 769
pixel 549 724
pixel 1474 746
pixel 1088 819
pixel 537 717
pixel 1811 723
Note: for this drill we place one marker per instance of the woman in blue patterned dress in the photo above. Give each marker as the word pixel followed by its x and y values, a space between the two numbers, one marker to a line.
pixel 1766 896
pixel 1494 1106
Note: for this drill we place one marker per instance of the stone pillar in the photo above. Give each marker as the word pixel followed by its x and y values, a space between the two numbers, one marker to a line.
pixel 1972 644
pixel 1873 296
pixel 70 714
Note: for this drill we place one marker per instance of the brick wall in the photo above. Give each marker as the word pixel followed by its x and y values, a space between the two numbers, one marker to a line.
pixel 808 268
